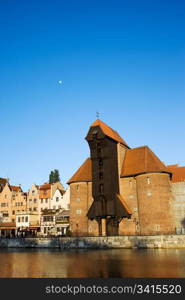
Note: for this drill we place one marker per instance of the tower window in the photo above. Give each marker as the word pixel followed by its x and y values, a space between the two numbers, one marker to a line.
pixel 98 148
pixel 148 180
pixel 101 188
pixel 77 187
pixel 100 162
pixel 101 175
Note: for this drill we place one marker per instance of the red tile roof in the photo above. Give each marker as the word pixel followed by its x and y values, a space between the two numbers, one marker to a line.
pixel 141 160
pixel 109 132
pixel 15 188
pixel 126 207
pixel 83 173
pixel 45 186
pixel 178 173
pixel 137 161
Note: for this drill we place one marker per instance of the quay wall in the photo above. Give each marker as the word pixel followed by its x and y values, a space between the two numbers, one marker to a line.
pixel 113 242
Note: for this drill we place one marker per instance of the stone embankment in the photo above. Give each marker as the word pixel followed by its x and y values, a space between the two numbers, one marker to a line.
pixel 125 242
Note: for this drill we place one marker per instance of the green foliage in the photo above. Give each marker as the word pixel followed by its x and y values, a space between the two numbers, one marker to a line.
pixel 54 176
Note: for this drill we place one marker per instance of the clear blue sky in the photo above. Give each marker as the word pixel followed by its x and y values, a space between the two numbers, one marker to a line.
pixel 125 59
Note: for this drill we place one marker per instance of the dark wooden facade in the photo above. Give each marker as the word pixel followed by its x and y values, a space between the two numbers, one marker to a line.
pixel 105 182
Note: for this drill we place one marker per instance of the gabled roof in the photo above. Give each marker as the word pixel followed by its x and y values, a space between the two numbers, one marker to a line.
pixel 108 131
pixel 141 160
pixel 83 174
pixel 3 181
pixel 15 188
pixel 178 173
pixel 45 186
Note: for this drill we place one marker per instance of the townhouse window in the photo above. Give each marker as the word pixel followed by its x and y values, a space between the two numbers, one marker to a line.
pixel 26 219
pixel 54 207
pixel 41 200
pixel 48 219
pixel 5 214
pixel 59 206
pixel 35 209
pixel 19 219
pixel 46 200
pixel 57 199
pixel 35 200
pixel 33 192
pixel 22 219
pixel 30 200
pixel 30 209
pixel 157 227
pixel 148 180
pixel 5 196
pixel 13 220
pixel 13 212
pixel 68 206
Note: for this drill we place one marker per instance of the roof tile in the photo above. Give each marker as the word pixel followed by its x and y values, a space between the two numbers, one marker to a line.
pixel 178 173
pixel 108 131
pixel 141 160
pixel 83 173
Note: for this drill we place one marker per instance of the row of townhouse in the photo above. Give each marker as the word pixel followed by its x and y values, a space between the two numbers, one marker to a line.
pixel 24 212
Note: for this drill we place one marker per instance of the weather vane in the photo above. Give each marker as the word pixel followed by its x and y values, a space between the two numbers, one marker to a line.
pixel 97 115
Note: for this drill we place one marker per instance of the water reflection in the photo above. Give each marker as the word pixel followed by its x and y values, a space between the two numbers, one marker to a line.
pixel 92 263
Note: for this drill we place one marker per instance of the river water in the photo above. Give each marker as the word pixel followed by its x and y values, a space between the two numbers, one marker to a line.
pixel 34 263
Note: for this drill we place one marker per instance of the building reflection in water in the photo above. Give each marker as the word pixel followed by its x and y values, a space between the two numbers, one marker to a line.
pixel 118 263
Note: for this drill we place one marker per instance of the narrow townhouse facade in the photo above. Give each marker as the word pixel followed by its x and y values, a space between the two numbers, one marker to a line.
pixel 51 196
pixel 33 201
pixel 27 223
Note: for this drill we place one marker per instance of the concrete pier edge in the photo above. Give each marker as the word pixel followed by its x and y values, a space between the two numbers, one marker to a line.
pixel 113 242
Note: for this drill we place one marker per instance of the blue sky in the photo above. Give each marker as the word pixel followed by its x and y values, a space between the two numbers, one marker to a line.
pixel 125 59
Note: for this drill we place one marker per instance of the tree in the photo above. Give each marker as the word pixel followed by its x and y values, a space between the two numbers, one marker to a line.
pixel 54 176
pixel 51 177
